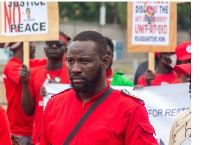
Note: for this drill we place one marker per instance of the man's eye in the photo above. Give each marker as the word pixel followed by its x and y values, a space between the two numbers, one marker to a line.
pixel 70 61
pixel 84 61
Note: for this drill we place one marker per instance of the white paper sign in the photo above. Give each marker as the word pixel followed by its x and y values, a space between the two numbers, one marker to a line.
pixel 163 103
pixel 150 23
pixel 24 18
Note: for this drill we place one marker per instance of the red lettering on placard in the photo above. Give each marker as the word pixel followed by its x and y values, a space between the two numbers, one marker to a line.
pixel 7 17
pixel 19 14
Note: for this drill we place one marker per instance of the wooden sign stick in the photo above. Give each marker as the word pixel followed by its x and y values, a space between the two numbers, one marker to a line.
pixel 151 61
pixel 26 53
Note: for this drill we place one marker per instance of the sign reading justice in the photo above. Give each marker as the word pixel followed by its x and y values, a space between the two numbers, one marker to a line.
pixel 24 18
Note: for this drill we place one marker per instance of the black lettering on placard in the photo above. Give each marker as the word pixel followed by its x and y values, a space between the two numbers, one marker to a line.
pixel 33 26
pixel 42 3
pixel 139 9
pixel 36 3
pixel 164 9
pixel 42 26
pixel 162 39
pixel 21 4
pixel 28 27
pixel 155 112
pixel 20 27
pixel 16 4
pixel 167 112
pixel 10 4
pixel 173 112
pixel 13 27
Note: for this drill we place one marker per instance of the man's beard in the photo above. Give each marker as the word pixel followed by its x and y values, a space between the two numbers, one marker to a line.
pixel 89 86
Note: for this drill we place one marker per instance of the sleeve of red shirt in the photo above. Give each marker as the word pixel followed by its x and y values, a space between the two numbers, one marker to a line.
pixel 142 81
pixel 5 136
pixel 44 139
pixel 139 131
pixel 37 62
pixel 13 73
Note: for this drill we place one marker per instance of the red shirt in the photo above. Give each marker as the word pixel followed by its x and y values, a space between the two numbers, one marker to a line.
pixel 20 124
pixel 5 136
pixel 109 76
pixel 160 79
pixel 38 76
pixel 176 81
pixel 119 120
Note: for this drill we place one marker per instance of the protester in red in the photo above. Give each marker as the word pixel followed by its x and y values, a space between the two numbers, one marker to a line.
pixel 164 73
pixel 115 78
pixel 5 135
pixel 119 120
pixel 183 55
pixel 20 124
pixel 32 101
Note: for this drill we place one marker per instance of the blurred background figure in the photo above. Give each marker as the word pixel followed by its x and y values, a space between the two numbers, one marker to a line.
pixel 115 78
pixel 164 73
pixel 183 55
pixel 180 133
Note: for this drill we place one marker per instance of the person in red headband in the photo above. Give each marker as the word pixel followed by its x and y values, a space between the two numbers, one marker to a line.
pixel 32 81
pixel 180 132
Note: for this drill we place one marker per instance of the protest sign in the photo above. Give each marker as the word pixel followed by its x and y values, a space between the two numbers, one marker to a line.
pixel 25 21
pixel 163 103
pixel 28 21
pixel 152 26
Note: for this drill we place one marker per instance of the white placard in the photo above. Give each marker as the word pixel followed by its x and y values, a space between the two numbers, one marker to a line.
pixel 163 103
pixel 150 23
pixel 24 18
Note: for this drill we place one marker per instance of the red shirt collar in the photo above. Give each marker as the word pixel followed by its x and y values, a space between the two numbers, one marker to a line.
pixel 95 97
pixel 109 73
pixel 16 60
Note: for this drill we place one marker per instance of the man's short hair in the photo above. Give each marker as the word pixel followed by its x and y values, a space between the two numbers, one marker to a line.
pixel 109 43
pixel 95 37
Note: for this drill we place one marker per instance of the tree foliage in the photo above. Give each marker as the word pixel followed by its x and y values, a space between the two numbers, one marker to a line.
pixel 116 12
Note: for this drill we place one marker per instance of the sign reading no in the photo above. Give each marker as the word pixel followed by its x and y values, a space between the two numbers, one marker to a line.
pixel 28 21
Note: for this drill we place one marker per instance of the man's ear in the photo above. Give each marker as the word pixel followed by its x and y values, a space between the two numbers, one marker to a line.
pixel 105 62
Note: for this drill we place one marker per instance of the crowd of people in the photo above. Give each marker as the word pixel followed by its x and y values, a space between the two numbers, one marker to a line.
pixel 90 112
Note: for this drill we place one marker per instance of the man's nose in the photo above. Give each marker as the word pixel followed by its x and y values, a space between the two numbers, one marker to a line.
pixel 76 68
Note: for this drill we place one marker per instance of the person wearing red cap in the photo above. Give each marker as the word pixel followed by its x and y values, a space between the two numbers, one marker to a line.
pixel 120 119
pixel 183 55
pixel 5 135
pixel 32 81
pixel 180 132
pixel 164 74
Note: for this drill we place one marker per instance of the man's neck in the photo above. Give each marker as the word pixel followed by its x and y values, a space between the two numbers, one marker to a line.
pixel 54 64
pixel 162 70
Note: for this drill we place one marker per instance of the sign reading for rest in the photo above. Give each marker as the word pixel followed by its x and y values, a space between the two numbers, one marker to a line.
pixel 150 24
pixel 24 18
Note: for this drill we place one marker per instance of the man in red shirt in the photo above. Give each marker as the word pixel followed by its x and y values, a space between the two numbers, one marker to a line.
pixel 32 101
pixel 5 135
pixel 164 73
pixel 119 120
pixel 20 124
